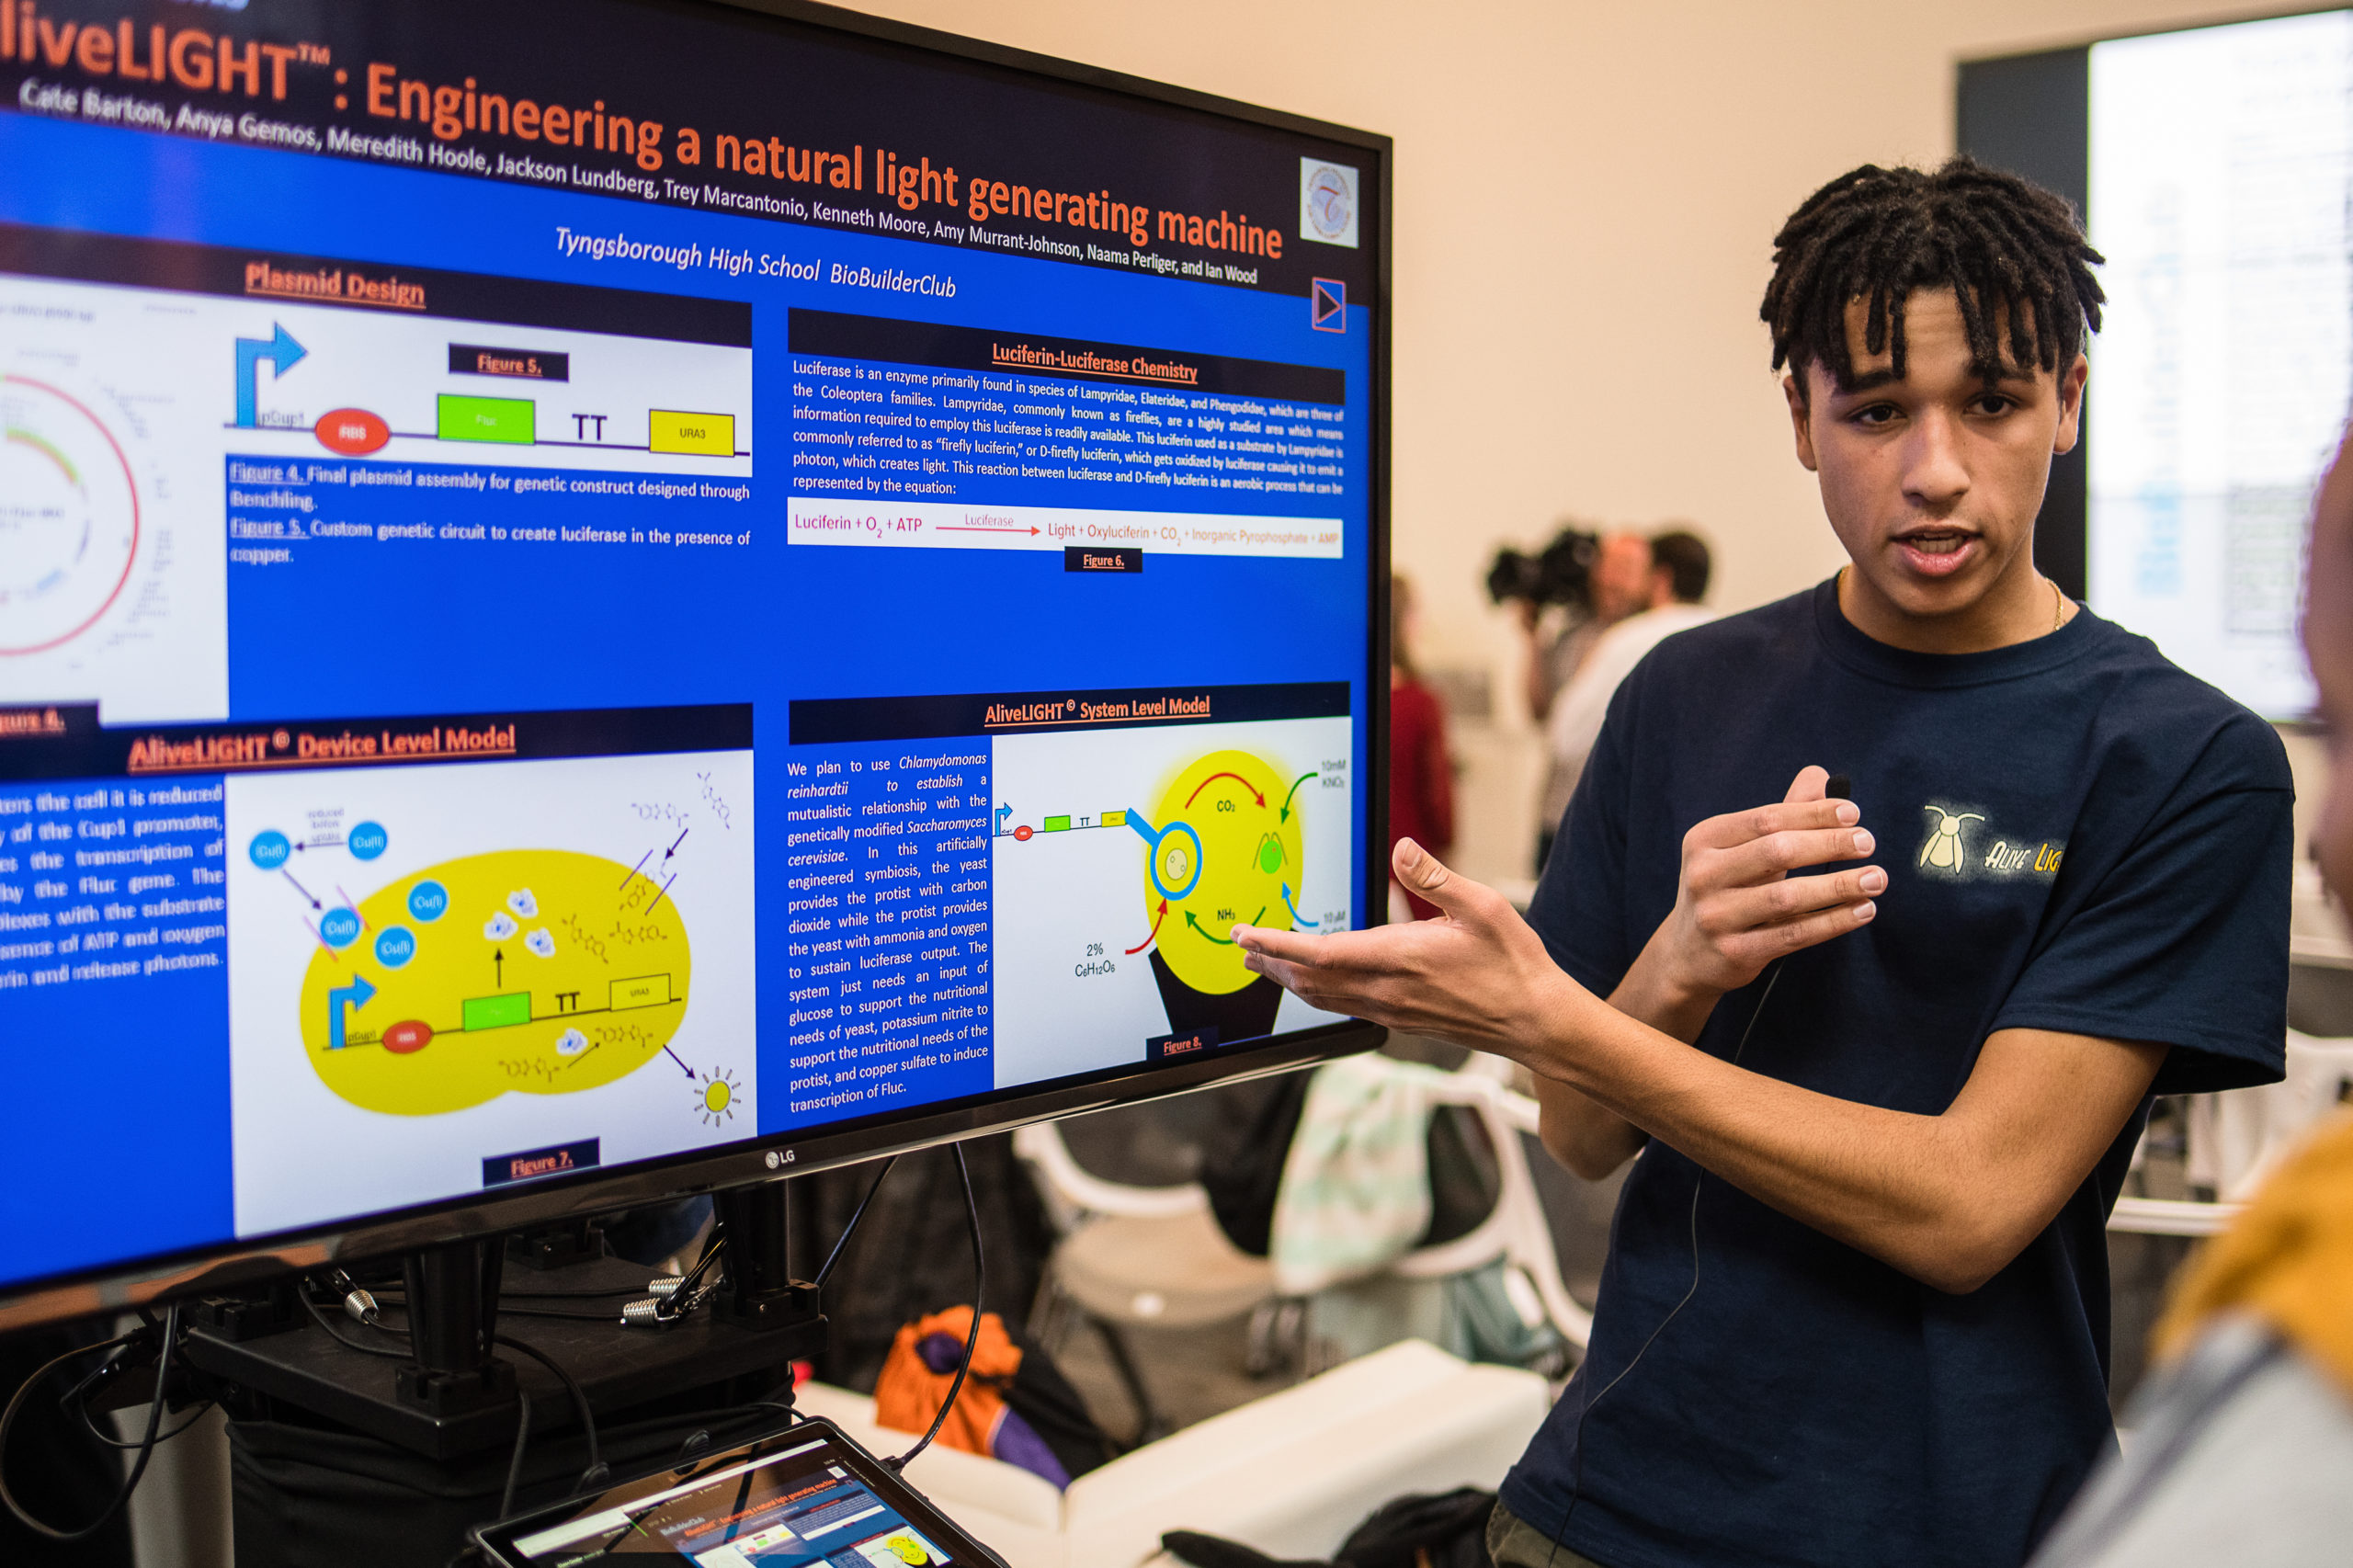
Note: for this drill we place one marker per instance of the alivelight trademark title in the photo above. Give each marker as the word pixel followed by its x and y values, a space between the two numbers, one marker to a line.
pixel 199 61
pixel 234 753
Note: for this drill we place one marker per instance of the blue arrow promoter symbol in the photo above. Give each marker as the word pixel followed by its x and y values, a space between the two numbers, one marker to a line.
pixel 281 351
pixel 356 994
pixel 1297 919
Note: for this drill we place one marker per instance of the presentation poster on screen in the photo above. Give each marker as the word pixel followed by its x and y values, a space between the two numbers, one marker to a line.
pixel 561 609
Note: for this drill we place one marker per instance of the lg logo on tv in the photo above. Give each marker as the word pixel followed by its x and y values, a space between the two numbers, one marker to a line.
pixel 779 1157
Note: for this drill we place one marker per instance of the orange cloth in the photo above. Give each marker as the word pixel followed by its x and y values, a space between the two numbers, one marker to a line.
pixel 2288 1260
pixel 909 1393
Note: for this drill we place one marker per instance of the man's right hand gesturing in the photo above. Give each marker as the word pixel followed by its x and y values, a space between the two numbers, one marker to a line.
pixel 1737 908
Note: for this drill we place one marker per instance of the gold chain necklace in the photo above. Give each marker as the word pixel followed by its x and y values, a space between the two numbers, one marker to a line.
pixel 2058 608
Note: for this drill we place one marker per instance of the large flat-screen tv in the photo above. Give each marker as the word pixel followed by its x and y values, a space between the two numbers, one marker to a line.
pixel 2215 168
pixel 605 600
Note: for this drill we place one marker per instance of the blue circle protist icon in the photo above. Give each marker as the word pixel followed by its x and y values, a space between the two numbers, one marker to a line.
pixel 270 849
pixel 395 947
pixel 366 841
pixel 339 927
pixel 428 900
pixel 1166 890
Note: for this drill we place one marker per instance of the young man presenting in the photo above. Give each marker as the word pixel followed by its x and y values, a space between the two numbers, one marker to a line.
pixel 1855 1306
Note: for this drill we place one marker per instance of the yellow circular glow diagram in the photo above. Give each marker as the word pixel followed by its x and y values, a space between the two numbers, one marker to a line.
pixel 1224 850
pixel 539 970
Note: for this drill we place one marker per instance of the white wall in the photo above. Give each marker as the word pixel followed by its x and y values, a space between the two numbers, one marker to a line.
pixel 1587 196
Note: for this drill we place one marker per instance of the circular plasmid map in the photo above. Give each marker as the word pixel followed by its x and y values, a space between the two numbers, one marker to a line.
pixel 69 517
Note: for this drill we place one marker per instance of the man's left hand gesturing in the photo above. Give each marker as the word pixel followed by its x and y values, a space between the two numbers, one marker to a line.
pixel 1477 975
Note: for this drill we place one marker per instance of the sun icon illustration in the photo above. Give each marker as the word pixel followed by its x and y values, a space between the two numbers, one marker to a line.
pixel 715 1096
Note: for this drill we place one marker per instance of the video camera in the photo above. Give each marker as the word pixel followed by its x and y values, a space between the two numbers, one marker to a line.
pixel 1560 574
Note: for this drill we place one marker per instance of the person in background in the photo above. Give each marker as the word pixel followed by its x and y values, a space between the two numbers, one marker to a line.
pixel 1421 775
pixel 1678 581
pixel 1620 587
pixel 2243 1447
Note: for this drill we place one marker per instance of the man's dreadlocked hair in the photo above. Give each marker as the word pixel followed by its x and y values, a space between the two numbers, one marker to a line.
pixel 1878 234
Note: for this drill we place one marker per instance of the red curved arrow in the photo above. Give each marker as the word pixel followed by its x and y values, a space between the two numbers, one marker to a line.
pixel 1215 777
pixel 1155 930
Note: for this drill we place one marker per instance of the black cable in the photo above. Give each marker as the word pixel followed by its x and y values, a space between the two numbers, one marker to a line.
pixel 334 1332
pixel 514 1465
pixel 170 1342
pixel 595 1473
pixel 971 1340
pixel 1577 1436
pixel 684 1297
pixel 395 1293
pixel 507 1311
pixel 161 1438
pixel 842 1242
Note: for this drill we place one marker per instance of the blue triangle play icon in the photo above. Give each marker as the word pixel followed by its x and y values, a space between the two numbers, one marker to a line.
pixel 1328 305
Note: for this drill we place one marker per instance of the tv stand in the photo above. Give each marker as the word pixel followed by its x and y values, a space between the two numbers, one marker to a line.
pixel 455 1396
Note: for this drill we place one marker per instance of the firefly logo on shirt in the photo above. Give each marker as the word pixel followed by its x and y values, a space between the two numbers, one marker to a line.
pixel 1957 849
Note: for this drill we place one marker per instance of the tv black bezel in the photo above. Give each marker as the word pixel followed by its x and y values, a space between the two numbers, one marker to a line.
pixel 240 1266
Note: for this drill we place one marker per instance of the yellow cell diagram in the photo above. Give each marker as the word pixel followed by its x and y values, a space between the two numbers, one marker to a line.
pixel 540 971
pixel 1224 848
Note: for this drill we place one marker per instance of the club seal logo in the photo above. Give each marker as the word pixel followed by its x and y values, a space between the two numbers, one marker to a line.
pixel 1327 202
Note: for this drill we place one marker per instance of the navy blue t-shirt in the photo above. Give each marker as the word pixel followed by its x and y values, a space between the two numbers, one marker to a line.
pixel 2078 837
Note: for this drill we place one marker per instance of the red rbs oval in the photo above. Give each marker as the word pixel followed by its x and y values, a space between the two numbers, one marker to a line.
pixel 404 1038
pixel 354 432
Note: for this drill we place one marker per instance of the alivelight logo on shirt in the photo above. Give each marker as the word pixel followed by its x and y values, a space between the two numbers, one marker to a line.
pixel 1959 846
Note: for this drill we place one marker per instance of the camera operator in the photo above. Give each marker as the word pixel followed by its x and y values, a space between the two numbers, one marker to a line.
pixel 1599 580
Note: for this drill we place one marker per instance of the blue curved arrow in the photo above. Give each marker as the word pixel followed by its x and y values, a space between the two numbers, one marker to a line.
pixel 356 994
pixel 280 350
pixel 1297 919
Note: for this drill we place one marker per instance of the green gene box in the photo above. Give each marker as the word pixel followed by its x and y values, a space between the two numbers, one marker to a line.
pixel 1054 824
pixel 498 1012
pixel 505 419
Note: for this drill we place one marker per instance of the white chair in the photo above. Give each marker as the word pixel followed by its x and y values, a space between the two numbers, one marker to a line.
pixel 1290 1474
pixel 1515 1229
pixel 1136 1257
pixel 2238 1138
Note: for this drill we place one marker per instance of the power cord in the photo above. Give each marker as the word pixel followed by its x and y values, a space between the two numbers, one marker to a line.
pixel 167 1344
pixel 320 1318
pixel 980 1288
pixel 596 1474
pixel 841 1242
pixel 361 1304
pixel 514 1465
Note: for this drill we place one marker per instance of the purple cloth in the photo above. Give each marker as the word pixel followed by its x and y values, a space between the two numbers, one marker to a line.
pixel 1016 1442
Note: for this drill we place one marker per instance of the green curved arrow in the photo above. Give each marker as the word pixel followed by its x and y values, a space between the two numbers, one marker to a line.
pixel 1294 790
pixel 1223 941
